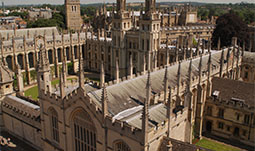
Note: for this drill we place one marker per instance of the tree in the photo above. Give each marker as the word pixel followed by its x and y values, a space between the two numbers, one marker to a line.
pixel 56 20
pixel 227 26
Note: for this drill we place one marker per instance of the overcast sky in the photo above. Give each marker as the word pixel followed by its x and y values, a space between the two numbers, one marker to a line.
pixel 17 2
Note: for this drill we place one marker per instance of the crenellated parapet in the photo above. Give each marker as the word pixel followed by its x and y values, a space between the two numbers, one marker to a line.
pixel 23 110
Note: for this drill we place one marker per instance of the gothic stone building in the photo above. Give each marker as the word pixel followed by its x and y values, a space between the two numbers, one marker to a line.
pixel 229 112
pixel 143 112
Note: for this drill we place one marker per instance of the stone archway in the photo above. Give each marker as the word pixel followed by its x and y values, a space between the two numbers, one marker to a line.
pixel 75 52
pixel 31 60
pixel 20 58
pixel 68 58
pixel 84 131
pixel 9 61
pixel 50 56
pixel 59 55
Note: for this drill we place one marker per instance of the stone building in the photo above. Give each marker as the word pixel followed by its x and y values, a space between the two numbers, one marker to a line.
pixel 248 67
pixel 73 15
pixel 229 112
pixel 135 113
pixel 149 105
pixel 35 13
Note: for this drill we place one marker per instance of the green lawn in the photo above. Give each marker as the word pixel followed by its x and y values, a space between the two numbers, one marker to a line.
pixel 33 92
pixel 210 144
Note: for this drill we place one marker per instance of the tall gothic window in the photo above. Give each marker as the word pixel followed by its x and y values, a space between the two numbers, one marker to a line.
pixel 121 146
pixel 54 125
pixel 84 132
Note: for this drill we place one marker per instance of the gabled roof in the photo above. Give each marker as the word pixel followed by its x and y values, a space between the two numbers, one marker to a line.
pixel 131 93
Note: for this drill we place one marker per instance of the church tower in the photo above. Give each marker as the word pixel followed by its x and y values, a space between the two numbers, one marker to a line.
pixel 149 35
pixel 121 24
pixel 73 14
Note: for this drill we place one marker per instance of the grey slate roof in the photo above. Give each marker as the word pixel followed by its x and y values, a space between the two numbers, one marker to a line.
pixel 131 93
pixel 229 89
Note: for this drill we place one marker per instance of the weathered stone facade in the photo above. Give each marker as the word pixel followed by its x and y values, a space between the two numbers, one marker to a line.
pixel 73 15
pixel 229 112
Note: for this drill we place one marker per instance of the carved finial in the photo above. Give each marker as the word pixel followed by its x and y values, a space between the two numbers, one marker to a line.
pixel 104 102
pixel 117 71
pixel 145 114
pixel 165 84
pixel 62 86
pixel 81 72
pixel 102 75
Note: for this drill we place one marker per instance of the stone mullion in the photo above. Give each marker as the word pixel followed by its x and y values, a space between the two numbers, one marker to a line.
pixel 27 68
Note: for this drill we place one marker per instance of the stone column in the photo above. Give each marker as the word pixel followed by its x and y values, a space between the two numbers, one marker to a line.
pixel 27 69
pixel 56 62
pixel 199 112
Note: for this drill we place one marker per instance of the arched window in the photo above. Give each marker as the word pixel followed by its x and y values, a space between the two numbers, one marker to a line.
pixel 54 125
pixel 121 146
pixel 84 132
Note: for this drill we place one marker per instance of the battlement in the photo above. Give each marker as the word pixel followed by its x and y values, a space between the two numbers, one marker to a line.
pixel 22 109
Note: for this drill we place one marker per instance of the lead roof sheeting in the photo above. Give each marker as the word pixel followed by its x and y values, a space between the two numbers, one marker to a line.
pixel 119 95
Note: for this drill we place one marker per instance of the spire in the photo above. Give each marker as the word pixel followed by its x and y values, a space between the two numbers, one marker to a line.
pixel 243 49
pixel 190 74
pixel 117 76
pixel 221 62
pixel 228 55
pixel 167 53
pixel 104 102
pixel 209 64
pixel 43 62
pixel 169 111
pixel 198 47
pixel 176 54
pixel 64 67
pixel 81 72
pixel 145 114
pixel 131 66
pixel 209 45
pixel 179 74
pixel 102 74
pixel 165 84
pixel 200 68
pixel 218 45
pixel 203 47
pixel 62 86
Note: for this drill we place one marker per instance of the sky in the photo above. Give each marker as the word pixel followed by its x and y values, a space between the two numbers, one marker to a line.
pixel 19 2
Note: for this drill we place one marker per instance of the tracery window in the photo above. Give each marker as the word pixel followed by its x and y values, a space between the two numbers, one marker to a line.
pixel 84 132
pixel 54 125
pixel 121 146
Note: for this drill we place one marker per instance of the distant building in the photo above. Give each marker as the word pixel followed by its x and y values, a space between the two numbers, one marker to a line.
pixel 12 22
pixel 35 13
pixel 73 15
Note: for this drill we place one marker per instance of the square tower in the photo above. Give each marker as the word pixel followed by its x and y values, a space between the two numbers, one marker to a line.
pixel 73 14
